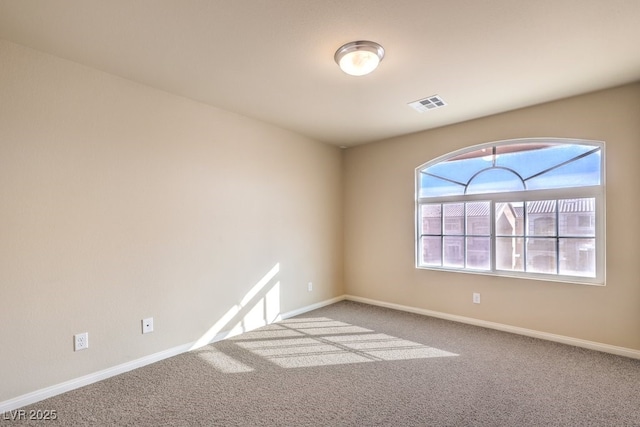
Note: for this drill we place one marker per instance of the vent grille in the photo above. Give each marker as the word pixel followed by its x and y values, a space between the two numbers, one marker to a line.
pixel 429 103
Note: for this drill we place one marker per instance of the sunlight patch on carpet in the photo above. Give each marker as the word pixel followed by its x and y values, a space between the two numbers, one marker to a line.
pixel 323 342
pixel 270 331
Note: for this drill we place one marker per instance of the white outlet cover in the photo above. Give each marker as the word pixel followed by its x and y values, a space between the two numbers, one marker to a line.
pixel 81 341
pixel 147 325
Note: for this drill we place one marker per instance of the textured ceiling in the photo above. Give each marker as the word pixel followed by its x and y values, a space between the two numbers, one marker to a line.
pixel 273 59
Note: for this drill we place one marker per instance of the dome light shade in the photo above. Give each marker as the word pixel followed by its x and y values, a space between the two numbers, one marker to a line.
pixel 359 58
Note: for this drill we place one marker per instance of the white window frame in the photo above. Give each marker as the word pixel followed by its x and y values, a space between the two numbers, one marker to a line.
pixel 597 192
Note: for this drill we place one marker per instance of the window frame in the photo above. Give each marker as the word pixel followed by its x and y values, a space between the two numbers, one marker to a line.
pixel 594 191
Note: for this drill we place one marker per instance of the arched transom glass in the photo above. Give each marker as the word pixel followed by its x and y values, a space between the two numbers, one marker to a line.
pixel 513 167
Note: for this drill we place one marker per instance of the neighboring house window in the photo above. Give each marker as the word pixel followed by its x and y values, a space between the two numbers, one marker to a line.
pixel 527 208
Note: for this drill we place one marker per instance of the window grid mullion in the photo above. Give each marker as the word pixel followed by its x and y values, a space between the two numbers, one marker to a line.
pixel 492 234
pixel 464 234
pixel 525 240
pixel 441 234
pixel 557 236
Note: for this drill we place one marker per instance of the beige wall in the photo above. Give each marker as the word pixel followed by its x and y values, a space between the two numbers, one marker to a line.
pixel 120 202
pixel 379 224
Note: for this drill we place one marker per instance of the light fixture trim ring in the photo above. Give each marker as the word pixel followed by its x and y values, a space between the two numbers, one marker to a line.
pixel 359 46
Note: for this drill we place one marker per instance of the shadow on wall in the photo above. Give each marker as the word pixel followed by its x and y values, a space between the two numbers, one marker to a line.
pixel 259 307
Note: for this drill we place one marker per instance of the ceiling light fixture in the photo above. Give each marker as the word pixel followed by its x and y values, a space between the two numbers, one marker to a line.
pixel 359 58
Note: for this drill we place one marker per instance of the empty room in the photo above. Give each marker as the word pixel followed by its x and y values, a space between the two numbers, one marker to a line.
pixel 320 212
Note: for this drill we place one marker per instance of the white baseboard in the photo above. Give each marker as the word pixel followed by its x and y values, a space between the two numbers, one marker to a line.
pixel 311 307
pixel 45 393
pixel 54 390
pixel 592 345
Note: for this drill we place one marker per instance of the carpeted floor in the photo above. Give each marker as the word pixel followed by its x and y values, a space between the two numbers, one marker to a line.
pixel 351 364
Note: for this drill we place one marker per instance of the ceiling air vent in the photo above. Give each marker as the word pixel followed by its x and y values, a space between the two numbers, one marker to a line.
pixel 429 103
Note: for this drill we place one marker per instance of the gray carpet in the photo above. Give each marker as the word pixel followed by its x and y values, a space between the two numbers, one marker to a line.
pixel 351 364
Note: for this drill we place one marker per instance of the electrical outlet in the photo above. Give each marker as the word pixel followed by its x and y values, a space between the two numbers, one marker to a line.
pixel 147 325
pixel 81 341
pixel 310 286
pixel 476 298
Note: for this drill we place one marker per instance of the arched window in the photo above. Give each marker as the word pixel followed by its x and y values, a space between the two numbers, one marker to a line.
pixel 528 208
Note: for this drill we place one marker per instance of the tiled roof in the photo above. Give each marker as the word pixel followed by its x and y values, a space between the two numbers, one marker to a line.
pixel 577 205
pixel 473 209
pixel 564 206
pixel 534 207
